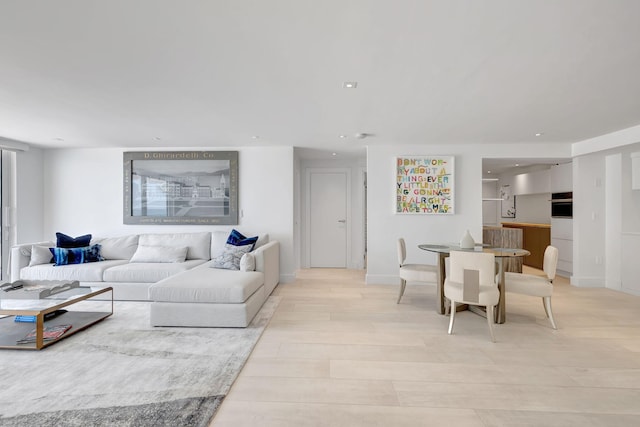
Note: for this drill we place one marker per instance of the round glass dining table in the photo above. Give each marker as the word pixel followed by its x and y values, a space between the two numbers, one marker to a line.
pixel 443 251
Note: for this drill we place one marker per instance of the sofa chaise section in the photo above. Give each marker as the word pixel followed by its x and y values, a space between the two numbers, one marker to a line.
pixel 212 297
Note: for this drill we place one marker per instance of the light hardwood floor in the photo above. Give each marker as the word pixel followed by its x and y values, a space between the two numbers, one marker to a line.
pixel 341 353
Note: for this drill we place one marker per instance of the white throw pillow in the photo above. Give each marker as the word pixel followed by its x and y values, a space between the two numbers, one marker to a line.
pixel 198 244
pixel 263 239
pixel 248 262
pixel 40 255
pixel 159 254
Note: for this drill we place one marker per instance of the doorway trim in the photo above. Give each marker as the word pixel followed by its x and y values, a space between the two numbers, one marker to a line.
pixel 307 212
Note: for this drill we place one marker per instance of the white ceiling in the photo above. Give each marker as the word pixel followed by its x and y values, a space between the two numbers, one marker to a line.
pixel 196 73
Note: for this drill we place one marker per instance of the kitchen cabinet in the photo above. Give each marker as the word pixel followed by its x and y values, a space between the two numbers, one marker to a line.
pixel 535 239
pixel 562 238
pixel 562 178
pixel 531 183
pixel 562 228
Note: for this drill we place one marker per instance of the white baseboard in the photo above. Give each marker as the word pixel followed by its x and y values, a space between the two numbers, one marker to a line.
pixel 614 285
pixel 630 291
pixel 287 278
pixel 587 282
pixel 598 282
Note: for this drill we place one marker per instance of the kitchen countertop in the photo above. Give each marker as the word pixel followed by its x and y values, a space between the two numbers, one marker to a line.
pixel 525 224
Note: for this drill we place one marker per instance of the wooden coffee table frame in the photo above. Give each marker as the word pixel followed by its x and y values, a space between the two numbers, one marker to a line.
pixel 11 331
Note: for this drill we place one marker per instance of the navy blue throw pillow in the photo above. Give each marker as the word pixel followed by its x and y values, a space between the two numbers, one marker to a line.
pixel 64 241
pixel 237 239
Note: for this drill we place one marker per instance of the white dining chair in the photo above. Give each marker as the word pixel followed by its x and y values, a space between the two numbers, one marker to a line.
pixel 537 286
pixel 413 272
pixel 472 281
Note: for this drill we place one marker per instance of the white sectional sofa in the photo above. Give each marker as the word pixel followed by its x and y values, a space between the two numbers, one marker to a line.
pixel 188 293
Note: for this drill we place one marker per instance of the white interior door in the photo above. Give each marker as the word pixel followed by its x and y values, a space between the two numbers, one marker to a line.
pixel 328 219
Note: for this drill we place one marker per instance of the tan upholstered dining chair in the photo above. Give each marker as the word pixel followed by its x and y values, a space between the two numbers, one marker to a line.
pixel 472 281
pixel 413 272
pixel 537 286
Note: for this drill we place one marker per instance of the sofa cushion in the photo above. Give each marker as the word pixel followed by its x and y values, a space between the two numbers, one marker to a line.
pixel 207 285
pixel 87 272
pixel 198 244
pixel 159 254
pixel 218 241
pixel 121 247
pixel 64 241
pixel 40 255
pixel 147 272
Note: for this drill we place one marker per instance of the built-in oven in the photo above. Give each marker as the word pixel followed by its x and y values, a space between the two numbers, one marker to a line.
pixel 562 205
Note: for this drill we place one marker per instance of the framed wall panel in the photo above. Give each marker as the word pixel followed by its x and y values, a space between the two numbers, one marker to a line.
pixel 181 187
pixel 425 185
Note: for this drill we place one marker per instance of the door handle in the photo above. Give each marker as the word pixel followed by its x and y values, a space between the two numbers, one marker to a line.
pixel 342 221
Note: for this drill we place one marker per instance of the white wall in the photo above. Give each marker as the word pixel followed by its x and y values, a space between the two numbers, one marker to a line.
pixel 613 221
pixel 22 187
pixel 588 221
pixel 28 180
pixel 591 242
pixel 297 210
pixel 606 225
pixel 384 226
pixel 83 194
pixel 621 238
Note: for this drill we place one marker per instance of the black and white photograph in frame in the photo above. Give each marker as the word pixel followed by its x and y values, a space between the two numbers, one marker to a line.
pixel 184 187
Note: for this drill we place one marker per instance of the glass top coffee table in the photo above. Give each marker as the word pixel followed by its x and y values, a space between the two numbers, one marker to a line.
pixel 60 310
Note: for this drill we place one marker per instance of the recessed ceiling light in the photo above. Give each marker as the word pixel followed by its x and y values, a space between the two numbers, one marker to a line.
pixel 334 154
pixel 255 137
pixel 343 136
pixel 350 85
pixel 488 171
pixel 539 134
pixel 517 164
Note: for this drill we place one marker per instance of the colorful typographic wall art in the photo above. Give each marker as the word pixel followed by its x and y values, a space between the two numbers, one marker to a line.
pixel 424 185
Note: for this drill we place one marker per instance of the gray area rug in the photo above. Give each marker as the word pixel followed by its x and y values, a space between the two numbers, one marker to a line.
pixel 123 372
